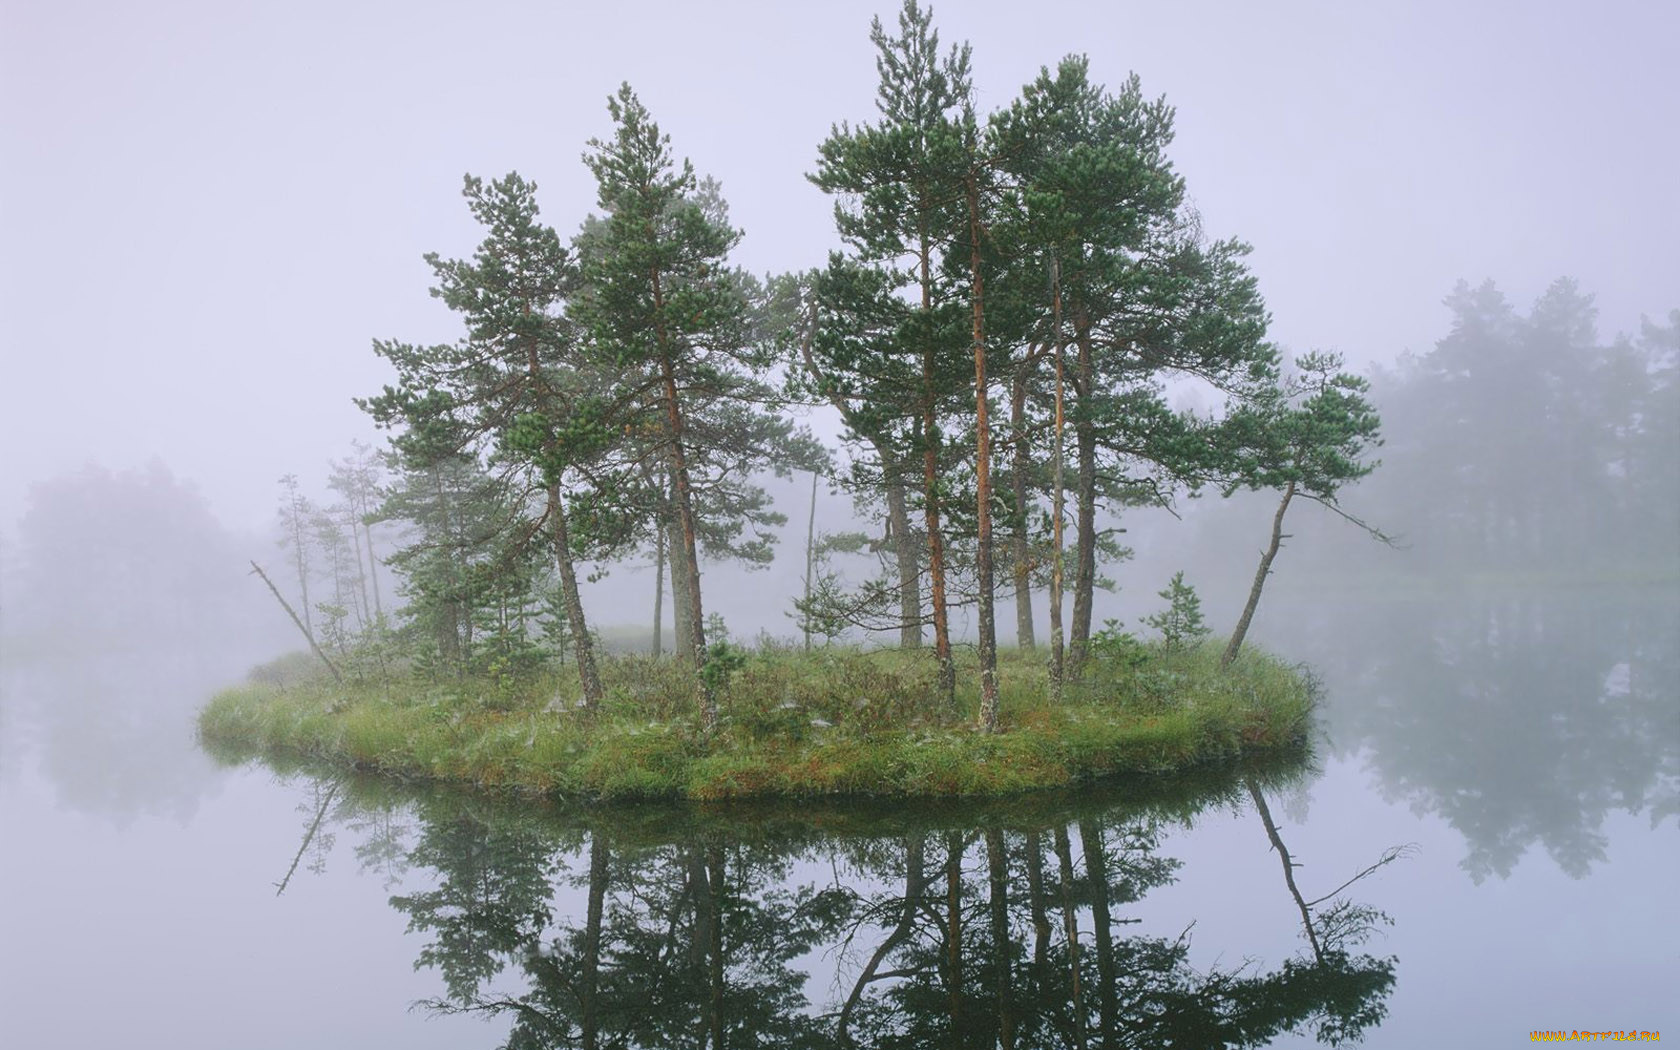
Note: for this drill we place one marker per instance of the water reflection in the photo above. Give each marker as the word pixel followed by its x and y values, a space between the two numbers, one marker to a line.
pixel 1011 924
pixel 1520 719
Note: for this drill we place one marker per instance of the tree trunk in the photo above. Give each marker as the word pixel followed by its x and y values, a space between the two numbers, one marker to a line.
pixel 909 560
pixel 592 942
pixel 953 933
pixel 997 873
pixel 1096 871
pixel 714 969
pixel 583 647
pixel 1260 575
pixel 930 493
pixel 658 589
pixel 300 625
pixel 1085 564
pixel 1058 659
pixel 1020 543
pixel 682 610
pixel 1036 902
pixel 1070 932
pixel 810 558
pixel 983 474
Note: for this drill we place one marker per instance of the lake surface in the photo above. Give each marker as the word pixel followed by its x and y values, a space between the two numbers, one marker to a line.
pixel 1504 769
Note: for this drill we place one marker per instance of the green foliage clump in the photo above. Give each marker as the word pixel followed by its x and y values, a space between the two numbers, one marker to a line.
pixel 1180 624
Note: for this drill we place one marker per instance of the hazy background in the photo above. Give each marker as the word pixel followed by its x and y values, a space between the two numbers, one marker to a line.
pixel 208 210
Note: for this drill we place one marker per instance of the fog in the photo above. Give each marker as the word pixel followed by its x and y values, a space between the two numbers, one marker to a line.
pixel 211 209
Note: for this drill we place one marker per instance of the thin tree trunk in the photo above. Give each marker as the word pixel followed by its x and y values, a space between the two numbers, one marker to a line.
pixel 1260 575
pixel 915 886
pixel 373 572
pixel 1085 566
pixel 658 589
pixel 685 504
pixel 1058 659
pixel 592 941
pixel 983 474
pixel 1021 546
pixel 714 971
pixel 1096 872
pixel 953 932
pixel 583 647
pixel 300 625
pixel 930 491
pixel 997 872
pixel 810 558
pixel 1070 931
pixel 909 561
pixel 1036 901
pixel 1288 866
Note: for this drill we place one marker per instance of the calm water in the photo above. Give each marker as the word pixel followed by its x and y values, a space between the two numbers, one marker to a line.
pixel 1515 760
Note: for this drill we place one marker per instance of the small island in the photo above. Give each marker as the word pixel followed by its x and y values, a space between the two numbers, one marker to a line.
pixel 1022 333
pixel 837 722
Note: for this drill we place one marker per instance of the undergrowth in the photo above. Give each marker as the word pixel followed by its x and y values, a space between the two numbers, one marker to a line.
pixel 834 721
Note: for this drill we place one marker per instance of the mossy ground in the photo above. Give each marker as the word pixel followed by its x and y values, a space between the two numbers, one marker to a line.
pixel 829 722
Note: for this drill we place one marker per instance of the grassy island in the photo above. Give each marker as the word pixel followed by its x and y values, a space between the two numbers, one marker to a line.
pixel 833 722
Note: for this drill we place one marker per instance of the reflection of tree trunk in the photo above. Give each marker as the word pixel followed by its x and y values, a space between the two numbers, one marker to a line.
pixel 1035 899
pixel 997 872
pixel 714 974
pixel 915 888
pixel 1288 868
pixel 953 932
pixel 592 940
pixel 309 836
pixel 1259 580
pixel 1096 872
pixel 1070 931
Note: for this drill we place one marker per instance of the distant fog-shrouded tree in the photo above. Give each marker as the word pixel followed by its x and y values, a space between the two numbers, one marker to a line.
pixel 901 206
pixel 295 513
pixel 514 388
pixel 357 480
pixel 1310 436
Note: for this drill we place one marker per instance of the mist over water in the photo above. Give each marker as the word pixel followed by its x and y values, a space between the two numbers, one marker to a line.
pixel 1471 204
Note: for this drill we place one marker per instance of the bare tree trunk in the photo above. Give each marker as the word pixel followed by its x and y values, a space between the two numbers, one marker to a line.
pixel 1096 872
pixel 810 558
pixel 1260 575
pixel 300 626
pixel 583 647
pixel 1058 664
pixel 1036 901
pixel 930 492
pixel 915 886
pixel 682 610
pixel 1070 932
pixel 658 589
pixel 983 474
pixel 714 970
pixel 1085 564
pixel 592 942
pixel 1020 543
pixel 1288 866
pixel 997 872
pixel 953 931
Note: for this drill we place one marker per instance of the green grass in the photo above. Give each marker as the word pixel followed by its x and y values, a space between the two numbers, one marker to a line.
pixel 834 722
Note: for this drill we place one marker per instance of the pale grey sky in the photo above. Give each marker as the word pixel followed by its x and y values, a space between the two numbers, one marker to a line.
pixel 209 209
